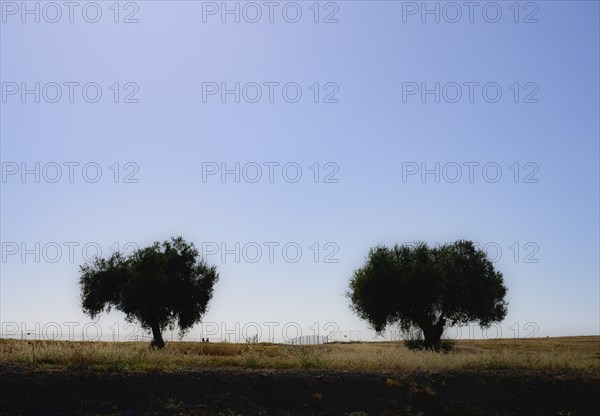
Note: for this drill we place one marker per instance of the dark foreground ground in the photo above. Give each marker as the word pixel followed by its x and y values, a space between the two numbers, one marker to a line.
pixel 26 391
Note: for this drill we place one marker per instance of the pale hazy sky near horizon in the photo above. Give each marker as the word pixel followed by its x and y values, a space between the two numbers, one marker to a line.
pixel 369 122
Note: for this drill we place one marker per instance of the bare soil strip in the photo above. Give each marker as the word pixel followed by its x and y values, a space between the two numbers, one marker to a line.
pixel 232 391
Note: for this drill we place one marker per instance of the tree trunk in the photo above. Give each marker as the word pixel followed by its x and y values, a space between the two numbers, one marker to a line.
pixel 157 342
pixel 433 335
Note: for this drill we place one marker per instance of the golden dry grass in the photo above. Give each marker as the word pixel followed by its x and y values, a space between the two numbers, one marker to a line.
pixel 568 353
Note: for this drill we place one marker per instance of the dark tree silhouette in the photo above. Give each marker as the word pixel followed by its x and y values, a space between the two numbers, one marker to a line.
pixel 428 288
pixel 158 286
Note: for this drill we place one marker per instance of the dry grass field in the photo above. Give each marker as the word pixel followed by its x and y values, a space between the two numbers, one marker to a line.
pixel 568 353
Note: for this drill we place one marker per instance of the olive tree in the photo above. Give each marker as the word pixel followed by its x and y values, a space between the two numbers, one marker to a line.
pixel 158 286
pixel 416 286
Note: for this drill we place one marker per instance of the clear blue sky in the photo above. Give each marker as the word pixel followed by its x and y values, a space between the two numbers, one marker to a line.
pixel 545 219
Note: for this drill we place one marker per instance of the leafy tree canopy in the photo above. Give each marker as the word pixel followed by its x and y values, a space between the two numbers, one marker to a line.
pixel 158 286
pixel 428 288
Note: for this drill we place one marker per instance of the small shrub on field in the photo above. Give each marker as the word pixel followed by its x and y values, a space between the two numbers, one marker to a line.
pixel 81 358
pixel 309 359
pixel 252 359
pixel 446 345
